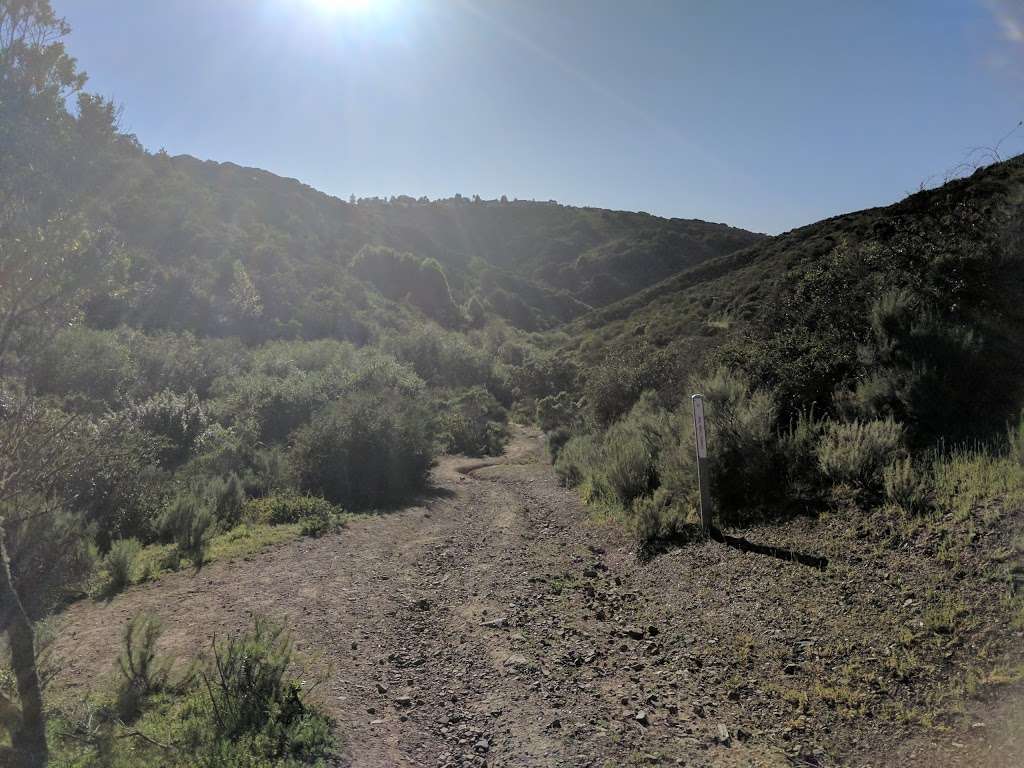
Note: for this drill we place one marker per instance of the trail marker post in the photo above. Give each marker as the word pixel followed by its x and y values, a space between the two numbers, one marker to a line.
pixel 703 479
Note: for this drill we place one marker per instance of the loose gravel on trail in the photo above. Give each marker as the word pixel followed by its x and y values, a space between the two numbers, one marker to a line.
pixel 497 623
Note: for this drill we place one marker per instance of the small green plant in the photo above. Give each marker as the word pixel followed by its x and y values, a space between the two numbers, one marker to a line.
pixel 907 485
pixel 120 563
pixel 322 522
pixel 253 709
pixel 143 671
pixel 189 526
pixel 660 517
pixel 286 508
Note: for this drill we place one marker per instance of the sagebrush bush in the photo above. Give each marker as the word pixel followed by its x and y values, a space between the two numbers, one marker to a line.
pixel 120 562
pixel 577 459
pixel 798 448
pixel 746 459
pixel 856 453
pixel 907 485
pixel 286 508
pixel 630 452
pixel 188 525
pixel 661 517
pixel 368 450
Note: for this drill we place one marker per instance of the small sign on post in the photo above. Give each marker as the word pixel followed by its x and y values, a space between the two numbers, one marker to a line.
pixel 703 480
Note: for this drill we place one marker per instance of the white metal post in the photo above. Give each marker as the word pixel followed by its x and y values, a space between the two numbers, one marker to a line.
pixel 703 480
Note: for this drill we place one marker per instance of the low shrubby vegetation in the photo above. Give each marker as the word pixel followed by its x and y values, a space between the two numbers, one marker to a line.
pixel 642 466
pixel 242 706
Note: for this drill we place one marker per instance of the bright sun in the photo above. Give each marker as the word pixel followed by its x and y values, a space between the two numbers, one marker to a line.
pixel 343 6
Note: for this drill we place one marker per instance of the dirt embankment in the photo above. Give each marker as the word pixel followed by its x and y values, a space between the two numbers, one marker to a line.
pixel 496 623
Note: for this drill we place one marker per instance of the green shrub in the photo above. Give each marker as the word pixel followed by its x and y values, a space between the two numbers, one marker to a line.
pixel 91 367
pixel 50 558
pixel 556 411
pixel 121 564
pixel 406 276
pixel 287 508
pixel 143 671
pixel 120 489
pixel 323 522
pixel 227 498
pixel 276 404
pixel 188 525
pixel 577 460
pixel 474 423
pixel 178 419
pixel 447 360
pixel 240 709
pixel 556 440
pixel 628 462
pixel 237 451
pixel 798 447
pixel 907 485
pixel 745 455
pixel 614 385
pixel 908 361
pixel 660 517
pixel 857 453
pixel 368 450
pixel 253 713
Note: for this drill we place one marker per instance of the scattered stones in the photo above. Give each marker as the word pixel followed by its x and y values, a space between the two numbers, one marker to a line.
pixel 518 661
pixel 722 734
pixel 381 688
pixel 501 621
pixel 641 717
pixel 403 701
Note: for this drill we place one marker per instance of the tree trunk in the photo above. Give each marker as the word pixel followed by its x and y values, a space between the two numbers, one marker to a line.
pixel 29 741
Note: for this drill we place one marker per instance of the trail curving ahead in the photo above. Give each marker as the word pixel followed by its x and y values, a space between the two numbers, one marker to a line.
pixel 495 623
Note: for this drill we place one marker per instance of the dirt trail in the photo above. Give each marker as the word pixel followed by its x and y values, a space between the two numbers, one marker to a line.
pixel 495 623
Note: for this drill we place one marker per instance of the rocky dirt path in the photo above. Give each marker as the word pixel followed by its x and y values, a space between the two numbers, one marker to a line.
pixel 497 624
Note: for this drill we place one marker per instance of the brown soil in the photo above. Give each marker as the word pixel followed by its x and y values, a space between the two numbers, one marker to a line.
pixel 497 623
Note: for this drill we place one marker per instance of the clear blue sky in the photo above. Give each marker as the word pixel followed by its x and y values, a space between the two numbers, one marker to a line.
pixel 765 115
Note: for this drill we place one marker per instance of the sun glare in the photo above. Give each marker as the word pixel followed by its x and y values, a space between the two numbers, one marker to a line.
pixel 343 6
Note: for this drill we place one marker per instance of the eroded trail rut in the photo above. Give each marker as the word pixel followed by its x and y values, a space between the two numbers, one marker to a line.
pixel 495 623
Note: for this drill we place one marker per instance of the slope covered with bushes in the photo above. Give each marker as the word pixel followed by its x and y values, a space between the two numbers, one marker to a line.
pixel 836 359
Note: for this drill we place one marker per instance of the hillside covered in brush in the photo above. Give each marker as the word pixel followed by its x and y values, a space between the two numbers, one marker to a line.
pixel 931 287
pixel 219 241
